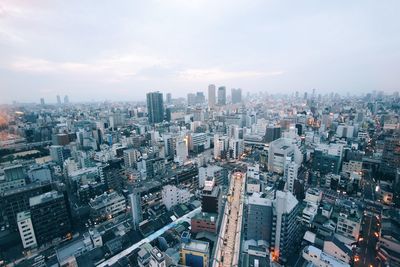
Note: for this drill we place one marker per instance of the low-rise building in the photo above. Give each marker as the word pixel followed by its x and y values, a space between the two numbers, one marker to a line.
pixel 172 196
pixel 319 258
pixel 348 225
pixel 204 222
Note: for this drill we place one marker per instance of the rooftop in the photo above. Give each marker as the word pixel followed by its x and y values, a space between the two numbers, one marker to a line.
pixel 44 198
pixel 21 216
pixel 196 245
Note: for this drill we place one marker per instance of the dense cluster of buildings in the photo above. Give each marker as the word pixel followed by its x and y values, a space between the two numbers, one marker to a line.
pixel 147 183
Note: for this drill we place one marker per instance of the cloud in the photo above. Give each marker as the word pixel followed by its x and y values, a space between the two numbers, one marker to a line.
pixel 112 69
pixel 119 68
pixel 218 74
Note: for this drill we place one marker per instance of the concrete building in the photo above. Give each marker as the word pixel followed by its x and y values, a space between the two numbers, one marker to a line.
pixel 272 133
pixel 222 96
pixel 107 206
pixel 236 148
pixel 204 222
pixel 388 246
pixel 26 231
pixel 290 173
pixel 279 150
pixel 236 95
pixel 349 225
pixel 194 253
pixel 213 171
pixel 136 208
pixel 155 107
pixel 211 198
pixel 318 258
pixel 285 228
pixel 258 218
pixel 253 171
pixel 130 157
pixel 182 152
pixel 211 96
pixel 172 196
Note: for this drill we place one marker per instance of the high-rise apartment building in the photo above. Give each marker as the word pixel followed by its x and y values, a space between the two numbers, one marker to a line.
pixel 222 96
pixel 211 96
pixel 169 98
pixel 236 95
pixel 155 107
pixel 285 227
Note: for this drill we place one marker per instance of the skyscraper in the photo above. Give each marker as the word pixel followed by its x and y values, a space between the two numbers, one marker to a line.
pixel 169 98
pixel 211 96
pixel 155 107
pixel 58 100
pixel 222 95
pixel 66 100
pixel 236 95
pixel 42 101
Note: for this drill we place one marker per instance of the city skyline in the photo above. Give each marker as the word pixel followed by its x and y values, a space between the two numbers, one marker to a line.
pixel 120 52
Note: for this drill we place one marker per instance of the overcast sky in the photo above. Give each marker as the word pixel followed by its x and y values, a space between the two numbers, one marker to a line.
pixel 118 50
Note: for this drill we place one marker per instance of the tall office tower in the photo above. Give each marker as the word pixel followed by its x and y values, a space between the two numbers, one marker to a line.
pixel 272 133
pixel 191 99
pixel 222 95
pixel 290 173
pixel 155 107
pixel 26 231
pixel 391 155
pixel 285 229
pixel 169 98
pixel 42 101
pixel 50 216
pixel 58 100
pixel 236 95
pixel 200 98
pixel 211 96
pixel 66 99
pixel 136 207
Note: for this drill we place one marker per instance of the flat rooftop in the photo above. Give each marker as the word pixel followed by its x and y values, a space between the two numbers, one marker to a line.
pixel 44 198
pixel 196 245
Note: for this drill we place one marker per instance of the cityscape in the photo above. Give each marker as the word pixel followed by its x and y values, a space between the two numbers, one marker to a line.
pixel 151 162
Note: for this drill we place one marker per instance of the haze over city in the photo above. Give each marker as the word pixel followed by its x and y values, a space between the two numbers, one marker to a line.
pixel 117 51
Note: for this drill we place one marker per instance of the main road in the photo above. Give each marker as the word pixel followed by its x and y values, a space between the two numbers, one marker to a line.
pixel 228 244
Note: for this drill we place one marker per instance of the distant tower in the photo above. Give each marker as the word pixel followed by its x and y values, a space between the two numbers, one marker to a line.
pixel 169 98
pixel 42 101
pixel 155 107
pixel 66 100
pixel 236 95
pixel 58 100
pixel 211 96
pixel 222 96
